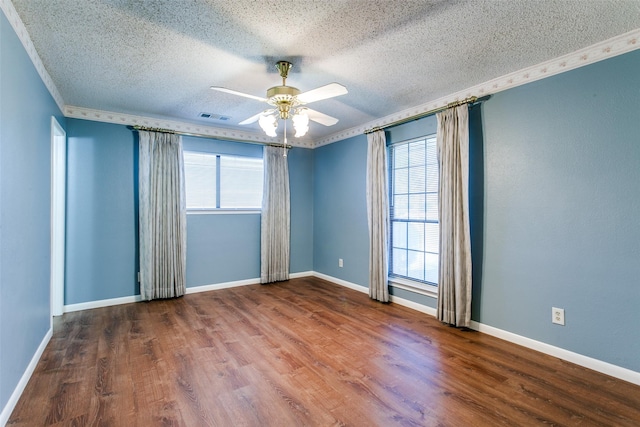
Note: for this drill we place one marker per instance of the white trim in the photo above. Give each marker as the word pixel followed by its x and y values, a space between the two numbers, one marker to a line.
pixel 415 287
pixel 58 215
pixel 246 282
pixel 224 285
pixel 101 303
pixel 190 290
pixel 134 120
pixel 21 31
pixel 394 299
pixel 606 49
pixel 575 358
pixel 301 274
pixel 341 282
pixel 26 376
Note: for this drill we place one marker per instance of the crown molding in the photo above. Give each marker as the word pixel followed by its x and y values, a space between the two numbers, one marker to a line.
pixel 210 131
pixel 21 31
pixel 615 46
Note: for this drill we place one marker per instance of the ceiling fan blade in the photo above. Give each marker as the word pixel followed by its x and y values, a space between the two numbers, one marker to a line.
pixel 323 92
pixel 321 118
pixel 255 118
pixel 235 92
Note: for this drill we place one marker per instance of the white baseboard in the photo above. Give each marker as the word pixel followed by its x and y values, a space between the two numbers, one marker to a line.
pixel 394 299
pixel 300 274
pixel 225 285
pixel 137 298
pixel 341 282
pixel 17 392
pixel 575 358
pixel 101 303
pixel 190 290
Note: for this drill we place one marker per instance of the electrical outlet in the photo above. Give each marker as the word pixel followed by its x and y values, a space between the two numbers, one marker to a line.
pixel 557 315
pixel 340 263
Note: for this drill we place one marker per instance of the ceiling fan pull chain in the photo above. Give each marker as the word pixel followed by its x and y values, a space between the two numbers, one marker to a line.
pixel 284 146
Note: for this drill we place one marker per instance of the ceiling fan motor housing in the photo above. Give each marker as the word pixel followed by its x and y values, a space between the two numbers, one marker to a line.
pixel 283 98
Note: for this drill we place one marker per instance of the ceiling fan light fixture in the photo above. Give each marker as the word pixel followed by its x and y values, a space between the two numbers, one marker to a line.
pixel 300 122
pixel 269 124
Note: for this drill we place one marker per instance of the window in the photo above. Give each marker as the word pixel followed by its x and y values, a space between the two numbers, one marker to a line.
pixel 219 182
pixel 414 212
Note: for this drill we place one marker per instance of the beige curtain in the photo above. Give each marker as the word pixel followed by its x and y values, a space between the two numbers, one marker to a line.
pixel 454 279
pixel 378 215
pixel 163 236
pixel 275 221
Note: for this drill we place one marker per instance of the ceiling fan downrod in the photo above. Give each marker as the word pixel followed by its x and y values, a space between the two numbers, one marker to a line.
pixel 284 67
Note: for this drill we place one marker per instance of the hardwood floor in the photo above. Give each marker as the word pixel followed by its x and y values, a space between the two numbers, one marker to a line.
pixel 303 352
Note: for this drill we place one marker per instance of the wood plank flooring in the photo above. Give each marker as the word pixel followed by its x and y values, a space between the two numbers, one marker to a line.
pixel 302 353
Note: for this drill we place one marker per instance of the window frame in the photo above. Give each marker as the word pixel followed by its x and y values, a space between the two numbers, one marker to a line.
pixel 216 210
pixel 395 280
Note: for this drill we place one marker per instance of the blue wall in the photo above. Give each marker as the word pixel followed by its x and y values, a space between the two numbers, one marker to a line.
pixel 301 174
pixel 222 248
pixel 102 248
pixel 562 209
pixel 555 202
pixel 26 108
pixel 340 227
pixel 101 251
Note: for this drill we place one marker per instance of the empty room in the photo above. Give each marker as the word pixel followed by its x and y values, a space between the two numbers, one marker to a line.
pixel 319 213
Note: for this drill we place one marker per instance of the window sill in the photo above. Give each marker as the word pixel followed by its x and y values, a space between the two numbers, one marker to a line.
pixel 412 286
pixel 223 211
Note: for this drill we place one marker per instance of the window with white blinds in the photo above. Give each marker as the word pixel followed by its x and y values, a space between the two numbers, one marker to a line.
pixel 215 181
pixel 414 252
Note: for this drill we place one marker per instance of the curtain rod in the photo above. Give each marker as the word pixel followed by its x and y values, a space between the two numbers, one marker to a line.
pixel 469 100
pixel 202 135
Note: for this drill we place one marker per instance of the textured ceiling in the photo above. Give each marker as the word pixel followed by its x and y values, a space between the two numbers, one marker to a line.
pixel 158 58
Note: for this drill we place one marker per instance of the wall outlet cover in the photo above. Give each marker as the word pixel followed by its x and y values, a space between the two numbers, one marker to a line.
pixel 557 315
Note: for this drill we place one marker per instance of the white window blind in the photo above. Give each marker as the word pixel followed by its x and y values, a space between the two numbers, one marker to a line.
pixel 215 181
pixel 414 252
pixel 241 181
pixel 200 174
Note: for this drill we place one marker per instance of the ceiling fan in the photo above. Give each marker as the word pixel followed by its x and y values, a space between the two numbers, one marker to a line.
pixel 289 102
